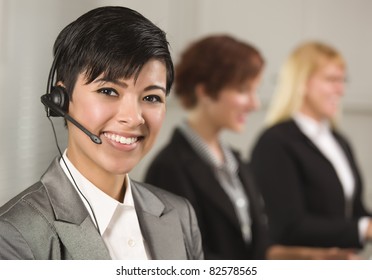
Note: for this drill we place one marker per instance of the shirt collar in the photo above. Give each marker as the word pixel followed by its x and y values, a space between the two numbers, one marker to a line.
pixel 102 204
pixel 204 151
pixel 310 127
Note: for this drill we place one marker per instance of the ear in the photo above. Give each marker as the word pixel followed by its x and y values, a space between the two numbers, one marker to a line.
pixel 59 83
pixel 201 93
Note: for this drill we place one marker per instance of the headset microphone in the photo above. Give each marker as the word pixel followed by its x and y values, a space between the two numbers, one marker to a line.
pixel 46 99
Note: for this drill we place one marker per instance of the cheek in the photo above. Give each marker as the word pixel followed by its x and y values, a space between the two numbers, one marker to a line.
pixel 319 89
pixel 237 102
pixel 243 100
pixel 154 119
pixel 96 113
pixel 315 91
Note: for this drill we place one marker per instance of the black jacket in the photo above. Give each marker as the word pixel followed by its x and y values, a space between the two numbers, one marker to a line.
pixel 303 195
pixel 179 169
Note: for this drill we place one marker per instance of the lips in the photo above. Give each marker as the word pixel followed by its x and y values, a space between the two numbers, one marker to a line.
pixel 121 139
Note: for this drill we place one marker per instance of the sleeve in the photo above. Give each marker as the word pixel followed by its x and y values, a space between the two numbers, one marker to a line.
pixel 194 248
pixel 279 178
pixel 12 244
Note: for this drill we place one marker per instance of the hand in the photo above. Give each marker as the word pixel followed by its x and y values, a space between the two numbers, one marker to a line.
pixel 332 254
pixel 280 252
pixel 369 231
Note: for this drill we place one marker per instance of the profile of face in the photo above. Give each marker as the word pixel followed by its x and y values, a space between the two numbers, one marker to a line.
pixel 233 104
pixel 324 91
pixel 126 114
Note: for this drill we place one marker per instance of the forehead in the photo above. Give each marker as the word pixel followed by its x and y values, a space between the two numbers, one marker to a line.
pixel 331 68
pixel 152 70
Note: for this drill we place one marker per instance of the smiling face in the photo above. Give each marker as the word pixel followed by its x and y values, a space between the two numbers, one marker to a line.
pixel 126 114
pixel 232 106
pixel 324 91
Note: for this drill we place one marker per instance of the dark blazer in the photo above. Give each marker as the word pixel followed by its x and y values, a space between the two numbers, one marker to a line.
pixel 179 169
pixel 304 198
pixel 49 221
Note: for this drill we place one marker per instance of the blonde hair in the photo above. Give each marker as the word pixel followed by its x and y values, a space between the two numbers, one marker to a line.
pixel 303 62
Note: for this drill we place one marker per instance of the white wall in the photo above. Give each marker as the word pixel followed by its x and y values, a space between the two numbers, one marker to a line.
pixel 29 28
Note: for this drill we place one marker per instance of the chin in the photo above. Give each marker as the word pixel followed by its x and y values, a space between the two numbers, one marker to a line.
pixel 237 128
pixel 121 168
pixel 330 115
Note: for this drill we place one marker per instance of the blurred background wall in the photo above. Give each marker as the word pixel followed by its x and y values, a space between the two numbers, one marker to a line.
pixel 28 30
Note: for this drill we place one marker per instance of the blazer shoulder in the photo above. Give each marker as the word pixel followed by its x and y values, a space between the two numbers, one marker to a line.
pixel 176 144
pixel 281 130
pixel 171 157
pixel 282 133
pixel 167 198
pixel 184 211
pixel 32 204
pixel 26 225
pixel 30 201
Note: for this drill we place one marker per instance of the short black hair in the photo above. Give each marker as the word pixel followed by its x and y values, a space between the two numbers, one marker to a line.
pixel 114 41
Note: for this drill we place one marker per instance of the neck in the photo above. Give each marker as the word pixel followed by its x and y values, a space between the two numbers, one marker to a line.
pixel 111 184
pixel 115 186
pixel 311 115
pixel 205 128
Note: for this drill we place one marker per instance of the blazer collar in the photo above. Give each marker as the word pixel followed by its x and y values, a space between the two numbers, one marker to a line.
pixel 72 220
pixel 296 129
pixel 160 224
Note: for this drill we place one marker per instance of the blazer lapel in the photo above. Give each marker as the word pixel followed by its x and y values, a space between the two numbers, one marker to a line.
pixel 346 149
pixel 205 179
pixel 160 225
pixel 208 184
pixel 317 150
pixel 72 220
pixel 256 203
pixel 83 241
pixel 303 137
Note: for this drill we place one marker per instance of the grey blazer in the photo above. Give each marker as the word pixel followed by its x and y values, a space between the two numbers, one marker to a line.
pixel 49 221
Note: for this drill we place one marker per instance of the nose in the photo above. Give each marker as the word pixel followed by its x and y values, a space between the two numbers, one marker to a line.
pixel 130 112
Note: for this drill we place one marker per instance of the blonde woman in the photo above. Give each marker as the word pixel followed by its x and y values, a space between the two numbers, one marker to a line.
pixel 303 165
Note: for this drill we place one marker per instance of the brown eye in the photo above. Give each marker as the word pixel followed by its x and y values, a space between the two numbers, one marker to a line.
pixel 153 99
pixel 108 91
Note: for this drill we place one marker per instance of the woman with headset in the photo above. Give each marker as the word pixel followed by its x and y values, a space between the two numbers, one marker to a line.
pixel 113 73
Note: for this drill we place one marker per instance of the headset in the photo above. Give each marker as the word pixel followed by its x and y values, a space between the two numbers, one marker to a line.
pixel 56 101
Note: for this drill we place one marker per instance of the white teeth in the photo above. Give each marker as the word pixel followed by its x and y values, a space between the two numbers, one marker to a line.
pixel 121 139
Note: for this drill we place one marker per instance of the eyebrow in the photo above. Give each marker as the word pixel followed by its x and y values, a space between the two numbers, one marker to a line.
pixel 123 84
pixel 155 87
pixel 116 82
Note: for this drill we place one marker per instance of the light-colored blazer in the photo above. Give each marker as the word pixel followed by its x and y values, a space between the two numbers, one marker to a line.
pixel 49 221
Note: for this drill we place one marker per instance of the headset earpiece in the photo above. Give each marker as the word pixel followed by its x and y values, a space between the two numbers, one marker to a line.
pixel 56 102
pixel 56 99
pixel 59 97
